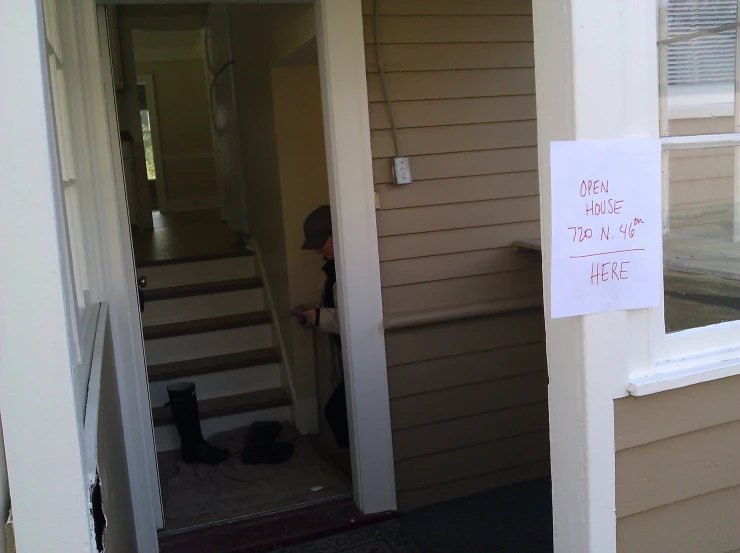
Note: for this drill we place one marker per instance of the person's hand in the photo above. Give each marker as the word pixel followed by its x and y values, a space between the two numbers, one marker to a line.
pixel 310 315
pixel 305 315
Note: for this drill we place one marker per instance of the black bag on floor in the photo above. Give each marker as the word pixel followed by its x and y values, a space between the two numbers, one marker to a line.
pixel 336 415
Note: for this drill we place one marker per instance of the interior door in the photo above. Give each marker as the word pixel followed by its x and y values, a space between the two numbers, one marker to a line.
pixel 225 117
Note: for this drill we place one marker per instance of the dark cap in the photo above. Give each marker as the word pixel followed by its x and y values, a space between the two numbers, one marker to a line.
pixel 317 228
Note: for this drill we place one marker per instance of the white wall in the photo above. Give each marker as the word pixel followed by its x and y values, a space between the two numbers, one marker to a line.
pixel 304 186
pixel 285 167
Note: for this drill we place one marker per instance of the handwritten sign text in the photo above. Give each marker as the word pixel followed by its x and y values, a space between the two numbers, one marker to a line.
pixel 606 226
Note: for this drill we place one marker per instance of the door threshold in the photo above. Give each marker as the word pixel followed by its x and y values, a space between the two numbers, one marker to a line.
pixel 252 516
pixel 269 532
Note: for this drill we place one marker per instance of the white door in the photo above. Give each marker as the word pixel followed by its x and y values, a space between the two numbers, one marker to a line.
pixel 225 118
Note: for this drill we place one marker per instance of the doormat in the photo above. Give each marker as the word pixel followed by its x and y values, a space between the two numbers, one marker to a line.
pixel 387 537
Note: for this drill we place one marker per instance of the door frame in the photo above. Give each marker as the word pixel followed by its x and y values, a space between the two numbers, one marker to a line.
pixel 339 27
pixel 128 340
pixel 341 50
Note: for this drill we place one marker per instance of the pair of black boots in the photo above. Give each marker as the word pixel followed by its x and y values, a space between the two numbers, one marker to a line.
pixel 261 441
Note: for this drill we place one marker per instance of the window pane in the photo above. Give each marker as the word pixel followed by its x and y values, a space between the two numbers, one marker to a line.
pixel 697 52
pixel 146 130
pixel 702 245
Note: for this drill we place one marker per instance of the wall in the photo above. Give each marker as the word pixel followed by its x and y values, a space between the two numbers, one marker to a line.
pixel 285 168
pixel 468 398
pixel 678 470
pixel 184 130
pixel 304 186
pixel 120 533
pixel 702 181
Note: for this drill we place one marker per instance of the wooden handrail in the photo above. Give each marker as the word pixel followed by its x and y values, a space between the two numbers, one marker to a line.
pixel 449 313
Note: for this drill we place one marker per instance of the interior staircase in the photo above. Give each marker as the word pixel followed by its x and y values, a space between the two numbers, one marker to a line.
pixel 205 321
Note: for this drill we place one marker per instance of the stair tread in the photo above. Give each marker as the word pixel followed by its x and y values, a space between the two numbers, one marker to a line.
pixel 210 324
pixel 212 364
pixel 229 405
pixel 193 258
pixel 201 288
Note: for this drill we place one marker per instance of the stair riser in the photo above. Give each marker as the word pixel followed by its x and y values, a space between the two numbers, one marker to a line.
pixel 166 437
pixel 197 272
pixel 204 306
pixel 249 379
pixel 192 346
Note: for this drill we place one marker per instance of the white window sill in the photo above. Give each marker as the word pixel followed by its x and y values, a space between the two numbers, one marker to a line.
pixel 701 101
pixel 687 375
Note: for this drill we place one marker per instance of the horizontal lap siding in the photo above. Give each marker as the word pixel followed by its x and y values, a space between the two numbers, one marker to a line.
pixel 702 181
pixel 678 470
pixel 468 398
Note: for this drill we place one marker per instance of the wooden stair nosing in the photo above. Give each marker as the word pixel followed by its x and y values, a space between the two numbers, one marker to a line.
pixel 201 289
pixel 211 324
pixel 228 405
pixel 212 364
pixel 193 258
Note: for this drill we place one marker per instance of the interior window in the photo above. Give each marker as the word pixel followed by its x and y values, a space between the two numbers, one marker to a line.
pixel 146 130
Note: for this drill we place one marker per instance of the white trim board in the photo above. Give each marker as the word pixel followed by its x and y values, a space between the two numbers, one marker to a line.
pixel 122 295
pixel 341 53
pixel 579 43
pixel 662 382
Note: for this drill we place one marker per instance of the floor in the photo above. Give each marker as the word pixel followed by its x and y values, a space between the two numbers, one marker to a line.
pixel 306 471
pixel 186 234
pixel 512 519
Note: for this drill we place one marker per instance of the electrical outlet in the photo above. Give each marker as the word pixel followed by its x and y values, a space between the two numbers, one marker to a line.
pixel 401 170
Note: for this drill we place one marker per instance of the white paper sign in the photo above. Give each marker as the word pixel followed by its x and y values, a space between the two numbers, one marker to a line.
pixel 606 226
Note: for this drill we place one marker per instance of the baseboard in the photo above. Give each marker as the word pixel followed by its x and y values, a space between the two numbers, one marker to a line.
pixel 277 334
pixel 306 416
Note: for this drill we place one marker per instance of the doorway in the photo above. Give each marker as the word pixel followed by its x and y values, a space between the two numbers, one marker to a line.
pixel 181 251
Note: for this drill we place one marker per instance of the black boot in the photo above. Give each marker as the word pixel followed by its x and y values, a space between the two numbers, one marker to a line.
pixel 262 445
pixel 184 406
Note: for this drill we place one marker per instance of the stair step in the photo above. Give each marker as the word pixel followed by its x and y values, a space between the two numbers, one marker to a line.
pixel 194 258
pixel 201 289
pixel 194 272
pixel 211 324
pixel 229 405
pixel 192 308
pixel 212 364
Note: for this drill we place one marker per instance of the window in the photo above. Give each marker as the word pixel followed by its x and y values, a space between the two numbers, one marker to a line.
pixel 76 192
pixel 701 164
pixel 146 130
pixel 697 42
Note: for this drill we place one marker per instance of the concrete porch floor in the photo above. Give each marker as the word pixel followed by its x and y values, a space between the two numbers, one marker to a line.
pixel 703 250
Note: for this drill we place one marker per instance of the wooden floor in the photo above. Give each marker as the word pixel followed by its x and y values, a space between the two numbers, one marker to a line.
pixel 185 235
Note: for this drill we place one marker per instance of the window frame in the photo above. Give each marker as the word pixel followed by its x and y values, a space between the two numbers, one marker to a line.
pixel 75 194
pixel 704 353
